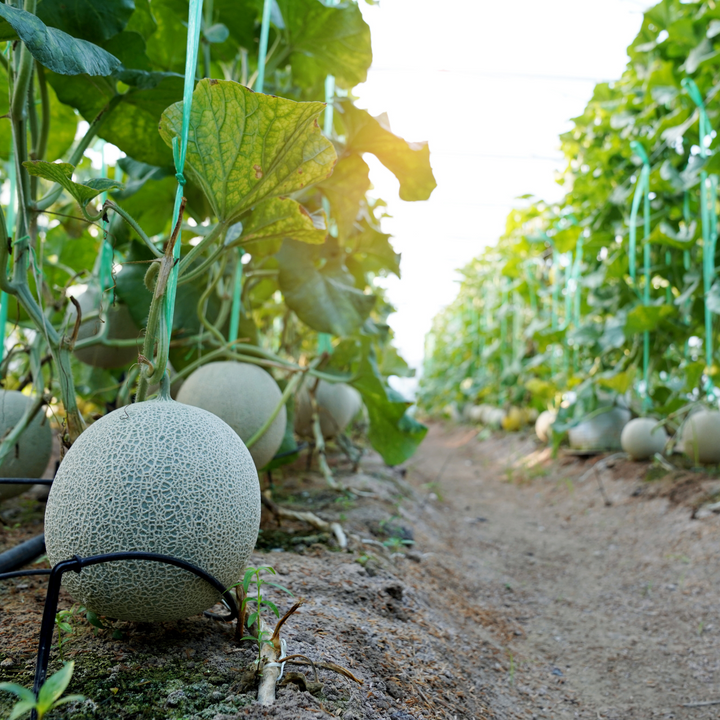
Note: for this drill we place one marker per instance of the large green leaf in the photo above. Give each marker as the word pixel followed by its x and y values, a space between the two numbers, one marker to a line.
pixel 327 39
pixel 345 189
pixel 276 219
pixel 245 147
pixel 409 162
pixel 393 433
pixel 664 234
pixel 55 49
pixel 323 298
pixel 374 251
pixel 62 173
pixel 646 318
pixel 132 126
pixel 94 20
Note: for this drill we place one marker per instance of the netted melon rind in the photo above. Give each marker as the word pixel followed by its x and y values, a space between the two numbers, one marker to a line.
pixel 33 450
pixel 159 477
pixel 244 396
pixel 338 404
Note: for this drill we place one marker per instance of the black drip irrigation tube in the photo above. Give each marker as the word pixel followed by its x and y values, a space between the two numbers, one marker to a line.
pixel 22 554
pixel 76 564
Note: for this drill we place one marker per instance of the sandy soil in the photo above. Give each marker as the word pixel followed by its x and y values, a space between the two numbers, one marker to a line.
pixel 523 596
pixel 614 608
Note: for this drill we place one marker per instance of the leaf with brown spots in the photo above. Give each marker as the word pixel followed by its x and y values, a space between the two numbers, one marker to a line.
pixel 245 147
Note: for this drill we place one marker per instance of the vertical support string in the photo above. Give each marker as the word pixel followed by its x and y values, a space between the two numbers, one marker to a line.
pixel 709 223
pixel 180 148
pixel 642 191
pixel 4 297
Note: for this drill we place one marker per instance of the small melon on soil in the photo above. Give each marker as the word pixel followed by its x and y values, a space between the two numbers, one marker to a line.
pixel 161 477
pixel 543 424
pixel 120 327
pixel 641 438
pixel 701 437
pixel 244 396
pixel 338 404
pixel 31 454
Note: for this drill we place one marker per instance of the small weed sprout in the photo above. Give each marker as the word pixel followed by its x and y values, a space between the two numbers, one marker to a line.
pixel 49 696
pixel 396 544
pixel 252 576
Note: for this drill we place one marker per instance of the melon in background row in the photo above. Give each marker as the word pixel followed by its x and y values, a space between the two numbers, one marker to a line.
pixel 542 424
pixel 701 437
pixel 120 327
pixel 641 439
pixel 244 396
pixel 600 433
pixel 31 454
pixel 161 477
pixel 338 404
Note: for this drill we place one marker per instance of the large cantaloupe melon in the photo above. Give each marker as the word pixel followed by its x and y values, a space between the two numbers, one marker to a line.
pixel 338 404
pixel 162 477
pixel 641 438
pixel 32 452
pixel 120 327
pixel 242 395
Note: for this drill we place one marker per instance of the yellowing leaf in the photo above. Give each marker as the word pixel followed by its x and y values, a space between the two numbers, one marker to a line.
pixel 245 147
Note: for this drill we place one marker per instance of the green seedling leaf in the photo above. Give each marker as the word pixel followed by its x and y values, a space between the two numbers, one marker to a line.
pixel 279 587
pixel 252 618
pixel 326 40
pixel 55 49
pixel 322 297
pixel 69 698
pixel 646 318
pixel 272 606
pixel 247 578
pixel 345 189
pixel 19 690
pixel 409 162
pixel 94 20
pixel 246 147
pixel 117 634
pixel 62 173
pixel 94 620
pixel 54 687
pixel 22 707
pixel 278 218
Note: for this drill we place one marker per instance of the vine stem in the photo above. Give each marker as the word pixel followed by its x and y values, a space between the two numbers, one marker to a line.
pixel 289 390
pixel 156 318
pixel 319 439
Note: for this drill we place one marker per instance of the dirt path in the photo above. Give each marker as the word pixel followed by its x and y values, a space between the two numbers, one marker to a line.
pixel 613 610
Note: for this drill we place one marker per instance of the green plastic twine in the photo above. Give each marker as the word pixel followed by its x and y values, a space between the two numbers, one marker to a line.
pixel 709 222
pixel 106 250
pixel 262 54
pixel 180 147
pixel 642 190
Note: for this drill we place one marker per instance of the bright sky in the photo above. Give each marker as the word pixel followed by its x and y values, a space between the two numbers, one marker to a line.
pixel 490 85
